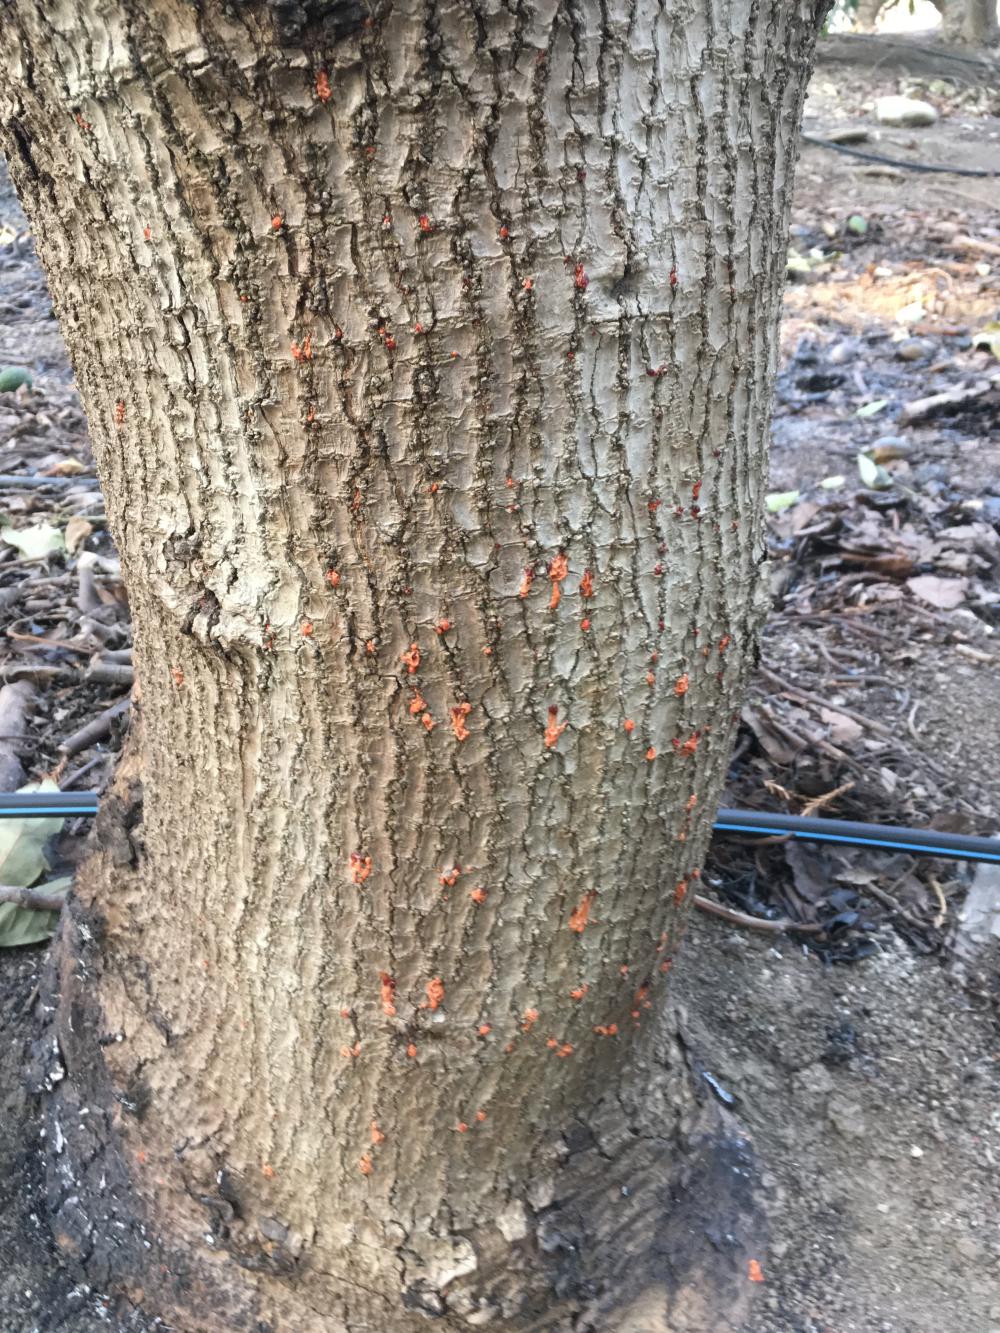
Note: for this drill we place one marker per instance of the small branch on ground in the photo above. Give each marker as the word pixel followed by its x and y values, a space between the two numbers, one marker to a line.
pixel 818 802
pixel 15 703
pixel 753 922
pixel 97 730
pixel 33 898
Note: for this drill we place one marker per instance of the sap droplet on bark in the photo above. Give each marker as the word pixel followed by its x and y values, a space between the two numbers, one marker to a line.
pixel 359 867
pixel 458 716
pixel 553 729
pixel 581 913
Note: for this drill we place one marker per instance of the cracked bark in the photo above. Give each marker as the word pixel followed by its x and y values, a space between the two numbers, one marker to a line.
pixel 427 355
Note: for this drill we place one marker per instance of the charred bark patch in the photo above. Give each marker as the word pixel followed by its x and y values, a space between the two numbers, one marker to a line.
pixel 319 22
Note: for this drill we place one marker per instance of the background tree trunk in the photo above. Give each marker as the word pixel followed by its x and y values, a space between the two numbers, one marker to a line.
pixel 971 22
pixel 867 13
pixel 980 26
pixel 427 358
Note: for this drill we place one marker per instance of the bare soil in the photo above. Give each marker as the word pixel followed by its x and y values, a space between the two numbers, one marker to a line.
pixel 863 1062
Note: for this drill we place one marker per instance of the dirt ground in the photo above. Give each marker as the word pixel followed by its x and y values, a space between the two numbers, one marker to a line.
pixel 860 1049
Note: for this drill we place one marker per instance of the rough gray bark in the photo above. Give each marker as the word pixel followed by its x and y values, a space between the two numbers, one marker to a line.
pixel 427 356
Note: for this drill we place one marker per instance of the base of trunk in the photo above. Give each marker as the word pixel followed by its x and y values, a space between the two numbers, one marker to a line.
pixel 650 1226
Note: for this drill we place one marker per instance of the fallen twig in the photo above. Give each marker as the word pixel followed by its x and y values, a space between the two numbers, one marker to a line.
pixel 33 898
pixel 15 703
pixel 98 673
pixel 97 730
pixel 818 802
pixel 17 481
pixel 110 673
pixel 887 900
pixel 942 911
pixel 804 743
pixel 973 243
pixel 752 922
pixel 807 697
pixel 66 782
pixel 920 409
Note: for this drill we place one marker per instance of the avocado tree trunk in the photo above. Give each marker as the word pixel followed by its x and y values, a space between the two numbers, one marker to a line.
pixel 427 355
pixel 969 22
pixel 866 14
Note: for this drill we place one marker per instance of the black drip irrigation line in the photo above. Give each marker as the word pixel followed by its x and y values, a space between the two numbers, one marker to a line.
pixel 928 167
pixel 885 837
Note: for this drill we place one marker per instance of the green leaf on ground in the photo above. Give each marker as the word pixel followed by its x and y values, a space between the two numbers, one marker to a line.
pixel 873 474
pixel 779 500
pixel 35 542
pixel 22 863
pixel 12 377
pixel 22 843
pixel 988 337
pixel 872 409
pixel 23 925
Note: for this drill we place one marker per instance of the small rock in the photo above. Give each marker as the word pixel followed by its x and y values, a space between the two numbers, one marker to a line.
pixel 979 922
pixel 904 111
pixel 273 1229
pixel 970 1249
pixel 928 473
pixel 888 447
pixel 806 353
pixel 913 349
pixel 848 134
pixel 846 1118
pixel 916 1152
pixel 513 1221
pixel 819 381
pixel 814 1079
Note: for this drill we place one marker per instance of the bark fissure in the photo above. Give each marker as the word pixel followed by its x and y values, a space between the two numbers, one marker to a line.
pixel 427 355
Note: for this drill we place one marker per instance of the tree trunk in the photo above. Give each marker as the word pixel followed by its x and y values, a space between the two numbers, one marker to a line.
pixel 867 13
pixel 427 358
pixel 969 22
pixel 980 26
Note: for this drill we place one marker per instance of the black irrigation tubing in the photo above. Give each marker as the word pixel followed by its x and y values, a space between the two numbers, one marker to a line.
pixel 923 842
pixel 930 167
